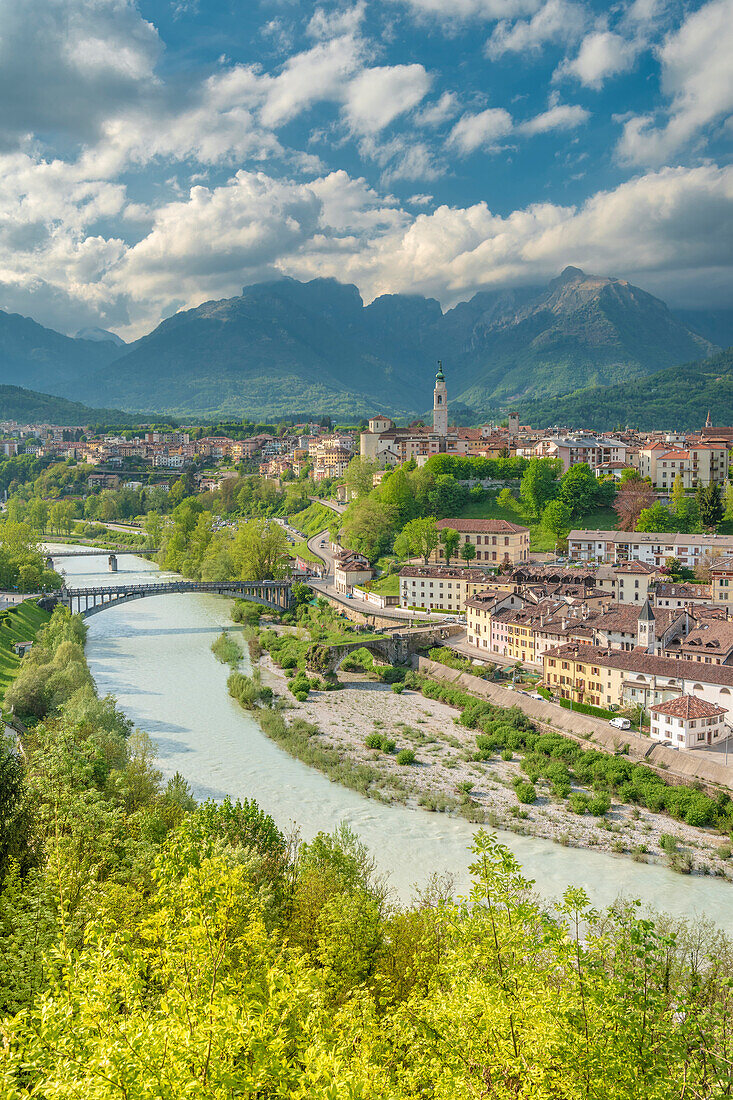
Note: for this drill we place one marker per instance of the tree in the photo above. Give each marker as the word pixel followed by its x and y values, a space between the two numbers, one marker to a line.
pixel 468 552
pixel 418 537
pixel 450 539
pixel 633 496
pixel 260 550
pixel 368 527
pixel 38 514
pixel 359 476
pixel 677 499
pixel 447 496
pixel 396 493
pixel 579 489
pixel 539 484
pixel 556 518
pixel 728 501
pixel 506 498
pixel 710 508
pixel 656 518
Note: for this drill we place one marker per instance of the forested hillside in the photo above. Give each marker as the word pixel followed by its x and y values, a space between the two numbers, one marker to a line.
pixel 679 397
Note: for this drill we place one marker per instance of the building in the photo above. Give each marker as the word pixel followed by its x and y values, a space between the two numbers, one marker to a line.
pixel 440 404
pixel 721 578
pixel 571 451
pixel 441 588
pixel 687 722
pixel 614 677
pixel 674 594
pixel 350 569
pixel 653 547
pixel 705 463
pixel 498 543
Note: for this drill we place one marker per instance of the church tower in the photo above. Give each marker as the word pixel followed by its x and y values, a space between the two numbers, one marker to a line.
pixel 440 403
pixel 646 628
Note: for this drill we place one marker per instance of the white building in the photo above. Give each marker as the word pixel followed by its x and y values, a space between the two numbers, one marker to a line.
pixel 652 547
pixel 688 722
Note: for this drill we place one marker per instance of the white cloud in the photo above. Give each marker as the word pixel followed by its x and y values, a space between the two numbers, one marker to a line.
pixel 697 77
pixel 556 21
pixel 458 11
pixel 330 24
pixel 315 74
pixel 434 114
pixel 559 117
pixel 66 64
pixel 480 130
pixel 377 96
pixel 602 54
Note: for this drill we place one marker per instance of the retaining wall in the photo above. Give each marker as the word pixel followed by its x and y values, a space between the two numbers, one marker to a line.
pixel 675 766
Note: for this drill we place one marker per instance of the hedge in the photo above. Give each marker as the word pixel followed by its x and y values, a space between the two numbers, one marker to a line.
pixel 586 708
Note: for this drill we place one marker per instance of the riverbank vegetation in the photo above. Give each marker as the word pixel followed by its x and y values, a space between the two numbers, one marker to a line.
pixel 150 946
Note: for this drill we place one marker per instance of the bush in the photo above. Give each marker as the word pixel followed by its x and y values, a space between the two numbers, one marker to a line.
pixel 373 741
pixel 525 792
pixel 579 803
pixel 405 756
pixel 507 754
pixel 301 696
pixel 398 688
pixel 600 804
pixel 387 745
pixel 288 661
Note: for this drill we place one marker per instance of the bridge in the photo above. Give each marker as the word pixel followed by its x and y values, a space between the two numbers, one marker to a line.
pixel 90 601
pixel 98 553
pixel 395 647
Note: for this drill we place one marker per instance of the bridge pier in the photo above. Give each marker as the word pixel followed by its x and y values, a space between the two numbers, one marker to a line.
pixel 112 560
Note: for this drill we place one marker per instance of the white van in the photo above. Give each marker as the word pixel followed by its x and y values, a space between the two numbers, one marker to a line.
pixel 620 723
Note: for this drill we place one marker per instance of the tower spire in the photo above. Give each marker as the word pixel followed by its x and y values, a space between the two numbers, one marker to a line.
pixel 440 403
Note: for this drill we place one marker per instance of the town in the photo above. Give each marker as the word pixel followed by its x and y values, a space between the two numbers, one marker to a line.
pixel 625 620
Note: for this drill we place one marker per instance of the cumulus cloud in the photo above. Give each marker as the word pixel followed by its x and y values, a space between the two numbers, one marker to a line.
pixel 456 11
pixel 330 24
pixel 65 65
pixel 559 117
pixel 481 130
pixel 697 78
pixel 602 54
pixel 377 96
pixel 435 114
pixel 555 21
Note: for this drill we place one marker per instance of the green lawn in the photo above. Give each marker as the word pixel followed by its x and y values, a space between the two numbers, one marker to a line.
pixel 18 624
pixel 300 548
pixel 388 585
pixel 603 519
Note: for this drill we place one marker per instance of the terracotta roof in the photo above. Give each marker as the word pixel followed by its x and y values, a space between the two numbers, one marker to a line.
pixel 483 526
pixel 447 572
pixel 692 591
pixel 687 706
pixel 638 660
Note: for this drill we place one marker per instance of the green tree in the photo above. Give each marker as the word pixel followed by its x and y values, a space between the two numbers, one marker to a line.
pixel 710 507
pixel 38 514
pixel 579 489
pixel 728 501
pixel 677 499
pixel 419 537
pixel 395 492
pixel 359 476
pixel 368 527
pixel 556 518
pixel 656 518
pixel 468 552
pixel 450 540
pixel 259 550
pixel 539 484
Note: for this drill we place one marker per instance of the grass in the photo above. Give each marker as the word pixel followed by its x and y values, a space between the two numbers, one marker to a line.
pixel 602 519
pixel 300 548
pixel 227 650
pixel 18 624
pixel 388 585
pixel 314 518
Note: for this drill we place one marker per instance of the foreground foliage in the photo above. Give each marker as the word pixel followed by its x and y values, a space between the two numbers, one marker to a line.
pixel 150 947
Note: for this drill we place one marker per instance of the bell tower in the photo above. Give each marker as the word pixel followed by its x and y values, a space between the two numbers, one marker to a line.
pixel 646 628
pixel 440 403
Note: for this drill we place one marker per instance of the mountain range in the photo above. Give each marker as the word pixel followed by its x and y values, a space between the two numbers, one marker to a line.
pixel 289 347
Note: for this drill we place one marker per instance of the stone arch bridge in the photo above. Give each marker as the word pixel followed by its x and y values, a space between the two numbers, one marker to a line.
pixel 89 601
pixel 395 647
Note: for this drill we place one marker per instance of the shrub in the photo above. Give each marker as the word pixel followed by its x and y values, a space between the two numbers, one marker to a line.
pixel 668 843
pixel 373 741
pixel 525 792
pixel 405 756
pixel 301 696
pixel 579 803
pixel 288 661
pixel 388 745
pixel 398 688
pixel 600 804
pixel 724 851
pixel 507 754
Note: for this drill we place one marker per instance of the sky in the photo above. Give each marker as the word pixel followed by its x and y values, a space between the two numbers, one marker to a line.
pixel 160 153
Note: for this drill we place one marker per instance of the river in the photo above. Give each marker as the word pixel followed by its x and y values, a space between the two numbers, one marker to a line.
pixel 154 656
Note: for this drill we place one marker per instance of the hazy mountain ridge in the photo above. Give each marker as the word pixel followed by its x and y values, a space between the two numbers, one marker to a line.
pixel 30 407
pixel 286 346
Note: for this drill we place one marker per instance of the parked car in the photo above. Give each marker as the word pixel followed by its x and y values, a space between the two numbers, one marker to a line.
pixel 620 723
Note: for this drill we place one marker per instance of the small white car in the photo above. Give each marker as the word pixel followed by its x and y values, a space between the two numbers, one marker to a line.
pixel 620 723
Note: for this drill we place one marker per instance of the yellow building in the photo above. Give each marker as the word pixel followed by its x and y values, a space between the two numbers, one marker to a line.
pixel 498 543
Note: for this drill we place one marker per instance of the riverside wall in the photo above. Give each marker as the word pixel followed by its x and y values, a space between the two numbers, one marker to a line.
pixel 677 767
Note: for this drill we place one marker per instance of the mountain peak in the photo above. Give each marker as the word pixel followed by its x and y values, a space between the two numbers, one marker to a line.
pixel 569 275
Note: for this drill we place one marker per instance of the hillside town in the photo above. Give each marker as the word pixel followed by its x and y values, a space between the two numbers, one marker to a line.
pixel 618 620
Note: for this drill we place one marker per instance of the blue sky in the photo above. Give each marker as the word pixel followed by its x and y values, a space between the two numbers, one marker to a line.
pixel 157 154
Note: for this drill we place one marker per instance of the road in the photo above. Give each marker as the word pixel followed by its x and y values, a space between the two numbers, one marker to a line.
pixel 332 504
pixel 459 642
